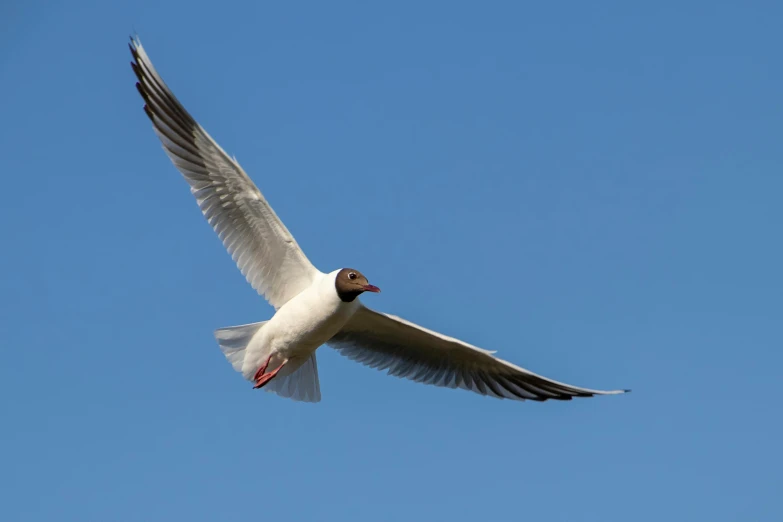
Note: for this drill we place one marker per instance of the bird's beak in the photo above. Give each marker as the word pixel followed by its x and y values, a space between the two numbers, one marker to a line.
pixel 371 288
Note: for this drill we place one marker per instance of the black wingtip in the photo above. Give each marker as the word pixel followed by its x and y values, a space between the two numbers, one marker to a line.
pixel 149 113
pixel 141 90
pixel 136 70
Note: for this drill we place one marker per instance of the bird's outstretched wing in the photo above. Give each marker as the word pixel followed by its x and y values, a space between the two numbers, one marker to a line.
pixel 407 350
pixel 263 248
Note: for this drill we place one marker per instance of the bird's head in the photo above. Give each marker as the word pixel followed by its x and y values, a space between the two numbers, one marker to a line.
pixel 351 283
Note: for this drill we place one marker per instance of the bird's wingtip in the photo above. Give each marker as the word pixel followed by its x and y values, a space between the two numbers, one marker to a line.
pixel 617 392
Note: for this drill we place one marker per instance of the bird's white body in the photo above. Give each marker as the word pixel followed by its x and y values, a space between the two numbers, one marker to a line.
pixel 299 327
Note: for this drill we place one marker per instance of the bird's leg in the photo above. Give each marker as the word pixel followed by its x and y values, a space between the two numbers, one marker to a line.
pixel 263 378
pixel 263 368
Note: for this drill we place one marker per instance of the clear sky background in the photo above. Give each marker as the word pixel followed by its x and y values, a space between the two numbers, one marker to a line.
pixel 592 190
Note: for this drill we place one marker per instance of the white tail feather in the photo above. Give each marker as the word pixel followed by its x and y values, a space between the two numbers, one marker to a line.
pixel 234 340
pixel 300 385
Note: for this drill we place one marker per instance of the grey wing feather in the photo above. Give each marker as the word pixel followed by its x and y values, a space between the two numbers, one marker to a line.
pixel 386 342
pixel 260 244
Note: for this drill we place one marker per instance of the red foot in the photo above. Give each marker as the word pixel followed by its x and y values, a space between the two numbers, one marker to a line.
pixel 262 370
pixel 261 377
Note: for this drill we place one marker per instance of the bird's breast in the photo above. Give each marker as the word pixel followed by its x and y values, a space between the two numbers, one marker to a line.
pixel 307 321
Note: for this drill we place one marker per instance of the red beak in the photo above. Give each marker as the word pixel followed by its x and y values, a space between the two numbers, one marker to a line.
pixel 371 288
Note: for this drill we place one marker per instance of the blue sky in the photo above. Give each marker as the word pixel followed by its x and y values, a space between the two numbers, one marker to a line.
pixel 593 191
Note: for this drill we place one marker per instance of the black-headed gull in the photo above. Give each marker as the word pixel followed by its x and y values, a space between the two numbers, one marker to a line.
pixel 312 308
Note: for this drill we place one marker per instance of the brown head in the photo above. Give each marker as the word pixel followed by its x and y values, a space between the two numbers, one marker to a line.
pixel 351 283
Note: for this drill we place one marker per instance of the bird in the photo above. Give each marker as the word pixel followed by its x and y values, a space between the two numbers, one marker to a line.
pixel 312 308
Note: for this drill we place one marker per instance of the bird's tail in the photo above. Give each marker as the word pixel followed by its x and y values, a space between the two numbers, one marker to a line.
pixel 233 342
pixel 301 385
pixel 297 383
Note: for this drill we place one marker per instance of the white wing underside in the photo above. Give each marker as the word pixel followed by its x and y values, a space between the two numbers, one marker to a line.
pixel 260 244
pixel 407 350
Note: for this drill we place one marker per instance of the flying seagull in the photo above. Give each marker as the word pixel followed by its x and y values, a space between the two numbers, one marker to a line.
pixel 312 308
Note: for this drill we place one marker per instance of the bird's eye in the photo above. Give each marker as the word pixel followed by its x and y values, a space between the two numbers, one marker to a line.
pixel 352 275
